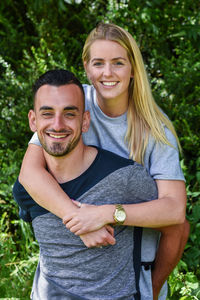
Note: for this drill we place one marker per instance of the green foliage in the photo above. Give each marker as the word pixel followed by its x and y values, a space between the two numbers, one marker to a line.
pixel 39 35
pixel 184 284
pixel 19 255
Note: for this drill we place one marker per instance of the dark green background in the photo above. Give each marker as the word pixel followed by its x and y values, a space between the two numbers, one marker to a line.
pixel 39 35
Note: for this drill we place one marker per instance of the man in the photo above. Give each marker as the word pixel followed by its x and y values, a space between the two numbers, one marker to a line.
pixel 67 269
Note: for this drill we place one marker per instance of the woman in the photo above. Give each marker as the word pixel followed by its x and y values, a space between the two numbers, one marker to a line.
pixel 126 120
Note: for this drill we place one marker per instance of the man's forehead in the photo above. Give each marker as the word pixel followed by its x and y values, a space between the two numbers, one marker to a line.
pixel 69 95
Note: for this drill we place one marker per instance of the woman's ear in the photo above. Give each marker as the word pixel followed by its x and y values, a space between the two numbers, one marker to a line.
pixel 32 120
pixel 86 121
pixel 86 67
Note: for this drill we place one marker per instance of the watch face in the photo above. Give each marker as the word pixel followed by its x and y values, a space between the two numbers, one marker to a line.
pixel 120 215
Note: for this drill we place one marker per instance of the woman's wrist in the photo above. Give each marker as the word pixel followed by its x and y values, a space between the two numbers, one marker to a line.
pixel 107 212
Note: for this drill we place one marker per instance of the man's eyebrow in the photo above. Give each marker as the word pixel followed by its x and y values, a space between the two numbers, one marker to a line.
pixel 72 107
pixel 46 108
pixel 65 108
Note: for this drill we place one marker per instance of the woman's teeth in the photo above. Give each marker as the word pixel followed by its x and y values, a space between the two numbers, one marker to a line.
pixel 111 83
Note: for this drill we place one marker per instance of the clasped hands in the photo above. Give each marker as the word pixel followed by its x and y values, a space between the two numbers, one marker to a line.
pixel 90 223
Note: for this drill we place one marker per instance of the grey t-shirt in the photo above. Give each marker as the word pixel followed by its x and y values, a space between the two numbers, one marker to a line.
pixel 69 270
pixel 161 162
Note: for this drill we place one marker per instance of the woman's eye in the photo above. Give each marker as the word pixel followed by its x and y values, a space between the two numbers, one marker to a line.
pixel 97 64
pixel 119 63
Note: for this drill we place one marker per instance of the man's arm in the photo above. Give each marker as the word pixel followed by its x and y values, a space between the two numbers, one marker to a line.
pixel 171 246
pixel 102 237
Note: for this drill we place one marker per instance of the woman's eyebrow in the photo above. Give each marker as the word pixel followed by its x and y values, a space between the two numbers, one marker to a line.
pixel 114 58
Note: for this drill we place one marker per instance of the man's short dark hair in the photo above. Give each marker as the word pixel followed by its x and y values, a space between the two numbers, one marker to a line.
pixel 57 77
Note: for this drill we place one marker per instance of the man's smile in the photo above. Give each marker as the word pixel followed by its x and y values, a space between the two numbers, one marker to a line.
pixel 59 135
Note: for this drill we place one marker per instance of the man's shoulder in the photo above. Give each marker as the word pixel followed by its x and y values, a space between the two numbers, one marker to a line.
pixel 115 177
pixel 128 167
pixel 108 163
pixel 19 191
pixel 28 208
pixel 113 159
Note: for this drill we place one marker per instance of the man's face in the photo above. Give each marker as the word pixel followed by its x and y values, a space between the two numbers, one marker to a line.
pixel 58 118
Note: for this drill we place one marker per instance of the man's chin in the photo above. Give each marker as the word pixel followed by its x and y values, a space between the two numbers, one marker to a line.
pixel 55 150
pixel 54 153
pixel 58 154
pixel 59 149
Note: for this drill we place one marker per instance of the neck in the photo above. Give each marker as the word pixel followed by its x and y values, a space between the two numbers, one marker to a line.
pixel 72 165
pixel 113 107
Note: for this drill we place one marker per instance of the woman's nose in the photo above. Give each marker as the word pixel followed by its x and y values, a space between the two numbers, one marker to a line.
pixel 107 71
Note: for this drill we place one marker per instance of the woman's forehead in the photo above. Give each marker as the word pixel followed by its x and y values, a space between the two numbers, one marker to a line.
pixel 105 48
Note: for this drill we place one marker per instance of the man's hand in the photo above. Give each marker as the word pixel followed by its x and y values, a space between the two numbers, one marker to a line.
pixel 87 218
pixel 101 237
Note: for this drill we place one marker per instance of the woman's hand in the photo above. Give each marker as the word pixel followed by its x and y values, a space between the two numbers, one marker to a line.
pixel 88 218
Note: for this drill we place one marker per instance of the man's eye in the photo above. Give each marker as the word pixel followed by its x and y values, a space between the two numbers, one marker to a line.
pixel 70 115
pixel 47 114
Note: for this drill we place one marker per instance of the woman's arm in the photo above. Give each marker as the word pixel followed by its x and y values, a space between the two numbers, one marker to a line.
pixel 171 246
pixel 171 201
pixel 40 184
pixel 45 190
pixel 168 209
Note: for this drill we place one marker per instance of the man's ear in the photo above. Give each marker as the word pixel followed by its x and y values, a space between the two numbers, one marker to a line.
pixel 86 121
pixel 32 120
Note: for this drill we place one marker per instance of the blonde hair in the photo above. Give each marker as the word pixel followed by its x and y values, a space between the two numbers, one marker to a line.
pixel 144 116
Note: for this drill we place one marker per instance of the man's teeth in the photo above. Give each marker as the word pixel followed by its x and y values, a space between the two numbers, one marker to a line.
pixel 57 136
pixel 111 83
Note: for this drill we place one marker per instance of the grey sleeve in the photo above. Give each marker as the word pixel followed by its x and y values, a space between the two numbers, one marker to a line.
pixel 35 140
pixel 140 185
pixel 162 161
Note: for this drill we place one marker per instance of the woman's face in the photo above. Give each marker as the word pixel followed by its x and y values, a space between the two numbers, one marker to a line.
pixel 109 70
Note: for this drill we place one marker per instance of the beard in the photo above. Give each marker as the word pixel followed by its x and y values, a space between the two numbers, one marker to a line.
pixel 60 149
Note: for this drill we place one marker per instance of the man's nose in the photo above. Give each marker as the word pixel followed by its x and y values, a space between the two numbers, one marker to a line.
pixel 58 123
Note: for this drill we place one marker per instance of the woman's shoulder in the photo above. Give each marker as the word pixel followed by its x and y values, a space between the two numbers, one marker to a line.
pixel 90 95
pixel 88 89
pixel 159 147
pixel 162 160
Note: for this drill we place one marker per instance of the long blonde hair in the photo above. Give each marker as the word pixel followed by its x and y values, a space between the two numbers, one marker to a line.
pixel 144 116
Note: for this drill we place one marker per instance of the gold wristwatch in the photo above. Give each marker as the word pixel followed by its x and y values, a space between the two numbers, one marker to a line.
pixel 119 214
